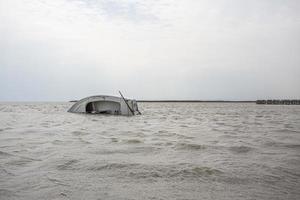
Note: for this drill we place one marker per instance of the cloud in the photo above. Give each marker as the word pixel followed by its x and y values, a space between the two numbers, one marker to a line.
pixel 222 49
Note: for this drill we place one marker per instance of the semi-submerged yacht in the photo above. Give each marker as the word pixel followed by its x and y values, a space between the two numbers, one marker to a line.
pixel 102 104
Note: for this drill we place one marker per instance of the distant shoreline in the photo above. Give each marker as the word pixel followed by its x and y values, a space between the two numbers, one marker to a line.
pixel 191 101
pixel 267 102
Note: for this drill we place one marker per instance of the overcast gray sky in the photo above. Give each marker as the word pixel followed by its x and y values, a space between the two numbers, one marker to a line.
pixel 53 50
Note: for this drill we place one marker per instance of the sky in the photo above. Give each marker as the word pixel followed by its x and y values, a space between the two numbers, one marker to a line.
pixel 60 50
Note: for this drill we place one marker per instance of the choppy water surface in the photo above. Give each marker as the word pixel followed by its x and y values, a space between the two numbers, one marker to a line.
pixel 172 151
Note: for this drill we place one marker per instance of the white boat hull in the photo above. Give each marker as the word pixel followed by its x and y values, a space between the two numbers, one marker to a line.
pixel 105 105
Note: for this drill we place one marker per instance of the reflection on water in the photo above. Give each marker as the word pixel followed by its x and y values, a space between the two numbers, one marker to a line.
pixel 172 151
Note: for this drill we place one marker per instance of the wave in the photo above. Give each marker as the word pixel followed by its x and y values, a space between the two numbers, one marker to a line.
pixel 78 133
pixel 135 170
pixel 133 141
pixel 20 162
pixel 240 149
pixel 6 172
pixel 4 154
pixel 7 193
pixel 56 181
pixel 113 166
pixel 69 165
pixel 114 140
pixel 287 130
pixel 283 145
pixel 198 172
pixel 58 142
pixel 189 146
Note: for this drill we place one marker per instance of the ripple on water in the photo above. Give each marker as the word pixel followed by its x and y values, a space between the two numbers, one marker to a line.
pixel 78 133
pixel 68 165
pixel 113 166
pixel 20 162
pixel 133 141
pixel 4 172
pixel 58 142
pixel 4 154
pixel 56 181
pixel 127 150
pixel 189 146
pixel 143 171
pixel 293 146
pixel 165 133
pixel 198 172
pixel 84 141
pixel 283 145
pixel 114 140
pixel 287 130
pixel 5 193
pixel 240 149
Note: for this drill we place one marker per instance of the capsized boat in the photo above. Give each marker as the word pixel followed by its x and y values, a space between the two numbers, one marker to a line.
pixel 103 104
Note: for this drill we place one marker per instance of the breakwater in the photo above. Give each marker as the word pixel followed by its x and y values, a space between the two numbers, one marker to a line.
pixel 279 102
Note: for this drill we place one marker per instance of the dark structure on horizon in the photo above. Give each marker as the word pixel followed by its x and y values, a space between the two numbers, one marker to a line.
pixel 279 102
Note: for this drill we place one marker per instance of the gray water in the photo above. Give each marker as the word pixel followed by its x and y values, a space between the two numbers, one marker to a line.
pixel 172 151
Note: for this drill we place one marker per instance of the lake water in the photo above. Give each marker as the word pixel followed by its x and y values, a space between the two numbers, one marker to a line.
pixel 172 151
